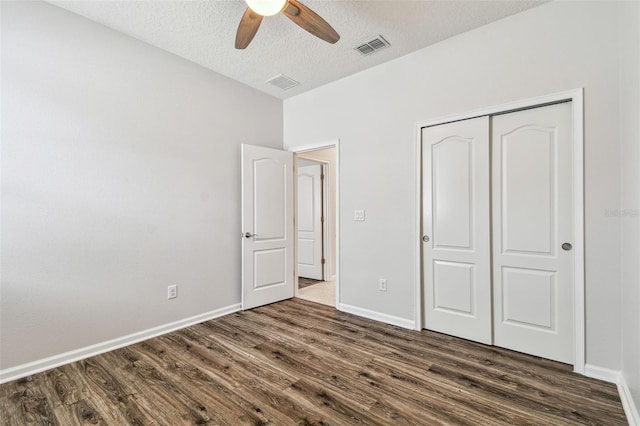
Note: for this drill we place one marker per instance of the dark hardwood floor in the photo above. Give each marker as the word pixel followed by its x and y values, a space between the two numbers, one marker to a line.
pixel 297 362
pixel 306 282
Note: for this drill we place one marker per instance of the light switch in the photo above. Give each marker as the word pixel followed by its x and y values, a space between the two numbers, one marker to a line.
pixel 359 215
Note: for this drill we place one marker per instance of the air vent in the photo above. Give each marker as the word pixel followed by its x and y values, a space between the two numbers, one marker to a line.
pixel 373 45
pixel 283 82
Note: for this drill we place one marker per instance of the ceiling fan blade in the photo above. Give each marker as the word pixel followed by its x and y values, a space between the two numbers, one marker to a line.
pixel 248 27
pixel 310 21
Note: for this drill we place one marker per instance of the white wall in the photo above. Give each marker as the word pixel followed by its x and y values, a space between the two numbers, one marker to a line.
pixel 120 176
pixel 552 48
pixel 629 25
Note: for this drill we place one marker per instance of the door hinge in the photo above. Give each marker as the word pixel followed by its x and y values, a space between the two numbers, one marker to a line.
pixel 322 261
pixel 322 176
pixel 322 219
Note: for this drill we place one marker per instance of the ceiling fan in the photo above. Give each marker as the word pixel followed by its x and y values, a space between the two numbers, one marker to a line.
pixel 304 17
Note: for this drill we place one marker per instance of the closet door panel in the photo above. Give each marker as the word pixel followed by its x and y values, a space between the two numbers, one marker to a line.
pixel 528 297
pixel 532 217
pixel 457 292
pixel 528 192
pixel 452 183
pixel 453 287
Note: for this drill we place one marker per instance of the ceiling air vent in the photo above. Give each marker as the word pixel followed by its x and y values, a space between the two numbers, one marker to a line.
pixel 373 45
pixel 283 82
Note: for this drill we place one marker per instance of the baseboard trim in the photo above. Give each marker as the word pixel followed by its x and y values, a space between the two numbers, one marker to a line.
pixel 613 376
pixel 630 408
pixel 17 372
pixel 600 373
pixel 377 316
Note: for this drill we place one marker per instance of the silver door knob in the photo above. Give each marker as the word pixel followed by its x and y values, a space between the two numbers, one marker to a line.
pixel 248 235
pixel 567 246
pixel 425 238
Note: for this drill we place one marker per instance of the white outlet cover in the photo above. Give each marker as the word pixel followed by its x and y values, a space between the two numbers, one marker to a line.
pixel 383 284
pixel 359 215
pixel 172 292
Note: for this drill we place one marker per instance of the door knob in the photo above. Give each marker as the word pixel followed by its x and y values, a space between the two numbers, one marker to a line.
pixel 567 246
pixel 248 235
pixel 425 238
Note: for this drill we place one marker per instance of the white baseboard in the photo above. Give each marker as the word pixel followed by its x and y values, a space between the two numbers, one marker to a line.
pixel 377 316
pixel 13 373
pixel 600 373
pixel 630 408
pixel 613 376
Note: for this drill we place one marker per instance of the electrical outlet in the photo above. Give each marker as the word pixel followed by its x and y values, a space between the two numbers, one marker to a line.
pixel 359 215
pixel 383 284
pixel 172 292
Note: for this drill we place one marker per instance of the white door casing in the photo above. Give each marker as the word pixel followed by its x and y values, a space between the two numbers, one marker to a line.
pixel 310 229
pixel 456 258
pixel 532 219
pixel 267 226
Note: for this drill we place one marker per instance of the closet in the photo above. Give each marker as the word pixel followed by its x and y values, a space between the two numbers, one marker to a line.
pixel 498 230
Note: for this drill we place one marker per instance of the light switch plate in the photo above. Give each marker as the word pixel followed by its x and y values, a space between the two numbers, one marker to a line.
pixel 359 215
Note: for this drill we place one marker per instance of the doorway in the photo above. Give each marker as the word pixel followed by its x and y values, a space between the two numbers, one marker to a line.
pixel 269 234
pixel 316 225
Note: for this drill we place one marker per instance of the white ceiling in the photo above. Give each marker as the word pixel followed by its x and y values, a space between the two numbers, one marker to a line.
pixel 204 32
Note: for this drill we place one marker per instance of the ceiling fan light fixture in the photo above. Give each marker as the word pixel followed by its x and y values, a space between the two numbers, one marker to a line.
pixel 300 14
pixel 266 7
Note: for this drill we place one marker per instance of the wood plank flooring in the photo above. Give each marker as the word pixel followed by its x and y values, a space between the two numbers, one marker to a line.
pixel 297 362
pixel 306 282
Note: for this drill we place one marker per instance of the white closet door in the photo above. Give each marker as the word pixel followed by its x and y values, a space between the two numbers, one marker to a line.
pixel 457 296
pixel 532 219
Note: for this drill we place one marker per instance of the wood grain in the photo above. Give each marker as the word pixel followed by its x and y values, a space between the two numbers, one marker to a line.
pixel 296 362
pixel 247 28
pixel 307 282
pixel 310 21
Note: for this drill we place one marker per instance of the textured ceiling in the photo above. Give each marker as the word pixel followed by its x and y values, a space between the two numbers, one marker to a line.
pixel 204 32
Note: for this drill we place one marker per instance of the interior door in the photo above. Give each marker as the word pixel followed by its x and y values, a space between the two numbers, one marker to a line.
pixel 267 226
pixel 533 231
pixel 456 248
pixel 310 221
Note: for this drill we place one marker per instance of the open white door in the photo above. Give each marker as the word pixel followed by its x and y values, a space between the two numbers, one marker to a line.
pixel 457 275
pixel 310 221
pixel 267 226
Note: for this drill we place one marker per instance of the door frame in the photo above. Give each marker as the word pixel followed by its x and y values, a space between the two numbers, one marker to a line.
pixel 576 97
pixel 333 143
